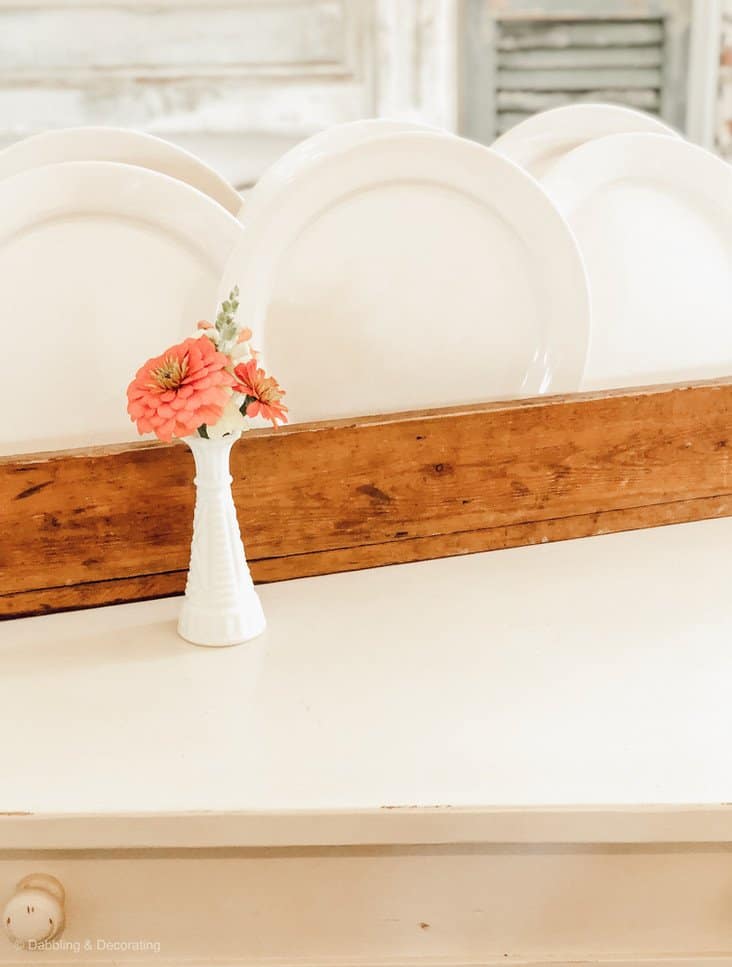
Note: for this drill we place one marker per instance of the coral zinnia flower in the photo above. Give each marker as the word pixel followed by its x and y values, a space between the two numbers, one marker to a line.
pixel 263 393
pixel 173 394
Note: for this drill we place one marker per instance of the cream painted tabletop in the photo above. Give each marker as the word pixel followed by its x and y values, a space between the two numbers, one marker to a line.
pixel 572 691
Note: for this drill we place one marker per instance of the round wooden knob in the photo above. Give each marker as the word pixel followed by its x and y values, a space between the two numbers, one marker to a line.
pixel 35 912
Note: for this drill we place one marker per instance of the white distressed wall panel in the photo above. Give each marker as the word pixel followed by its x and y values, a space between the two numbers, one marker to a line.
pixel 237 81
pixel 185 106
pixel 240 81
pixel 79 38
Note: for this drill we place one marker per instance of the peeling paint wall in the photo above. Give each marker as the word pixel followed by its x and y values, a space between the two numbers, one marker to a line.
pixel 235 81
pixel 239 82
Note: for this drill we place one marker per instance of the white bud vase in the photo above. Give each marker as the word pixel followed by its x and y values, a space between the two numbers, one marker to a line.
pixel 221 606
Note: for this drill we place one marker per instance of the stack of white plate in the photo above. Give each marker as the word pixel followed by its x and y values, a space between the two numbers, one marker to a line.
pixel 389 267
pixel 112 246
pixel 383 266
pixel 652 215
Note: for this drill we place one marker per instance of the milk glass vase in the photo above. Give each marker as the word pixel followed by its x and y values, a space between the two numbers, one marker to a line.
pixel 221 606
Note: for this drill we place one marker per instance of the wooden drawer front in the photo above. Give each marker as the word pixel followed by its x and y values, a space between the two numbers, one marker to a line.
pixel 452 905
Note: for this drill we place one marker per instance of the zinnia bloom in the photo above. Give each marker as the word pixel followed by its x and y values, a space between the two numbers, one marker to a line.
pixel 173 394
pixel 263 393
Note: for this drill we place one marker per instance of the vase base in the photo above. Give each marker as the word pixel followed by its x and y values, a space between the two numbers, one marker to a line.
pixel 215 628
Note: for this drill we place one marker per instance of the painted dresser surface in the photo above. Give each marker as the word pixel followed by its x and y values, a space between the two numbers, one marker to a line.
pixel 517 757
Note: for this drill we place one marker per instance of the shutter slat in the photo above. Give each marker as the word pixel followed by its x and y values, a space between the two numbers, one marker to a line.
pixel 505 120
pixel 532 101
pixel 549 63
pixel 582 79
pixel 575 57
pixel 528 35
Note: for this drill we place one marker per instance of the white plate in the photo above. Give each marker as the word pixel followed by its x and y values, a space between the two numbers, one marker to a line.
pixel 330 141
pixel 541 140
pixel 409 271
pixel 653 217
pixel 103 266
pixel 121 145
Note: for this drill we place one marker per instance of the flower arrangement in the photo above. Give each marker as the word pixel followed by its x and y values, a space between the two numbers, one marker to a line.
pixel 204 391
pixel 210 384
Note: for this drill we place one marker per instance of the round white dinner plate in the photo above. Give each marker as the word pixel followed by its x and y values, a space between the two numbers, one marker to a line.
pixel 123 146
pixel 542 139
pixel 653 218
pixel 330 141
pixel 412 270
pixel 103 266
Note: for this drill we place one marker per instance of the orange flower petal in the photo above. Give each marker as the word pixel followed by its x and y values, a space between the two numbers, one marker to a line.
pixel 203 391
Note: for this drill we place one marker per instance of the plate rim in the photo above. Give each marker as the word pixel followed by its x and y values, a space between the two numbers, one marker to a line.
pixel 526 142
pixel 22 190
pixel 196 172
pixel 630 145
pixel 330 140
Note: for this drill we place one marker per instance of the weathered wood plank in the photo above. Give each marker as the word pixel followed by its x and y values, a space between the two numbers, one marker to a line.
pixel 530 34
pixel 576 57
pixel 91 595
pixel 582 79
pixel 404 551
pixel 371 491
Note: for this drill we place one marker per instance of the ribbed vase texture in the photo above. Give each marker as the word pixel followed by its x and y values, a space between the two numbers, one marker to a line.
pixel 221 606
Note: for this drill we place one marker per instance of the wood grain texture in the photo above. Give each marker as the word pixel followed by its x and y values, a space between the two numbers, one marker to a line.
pixel 268 570
pixel 114 523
